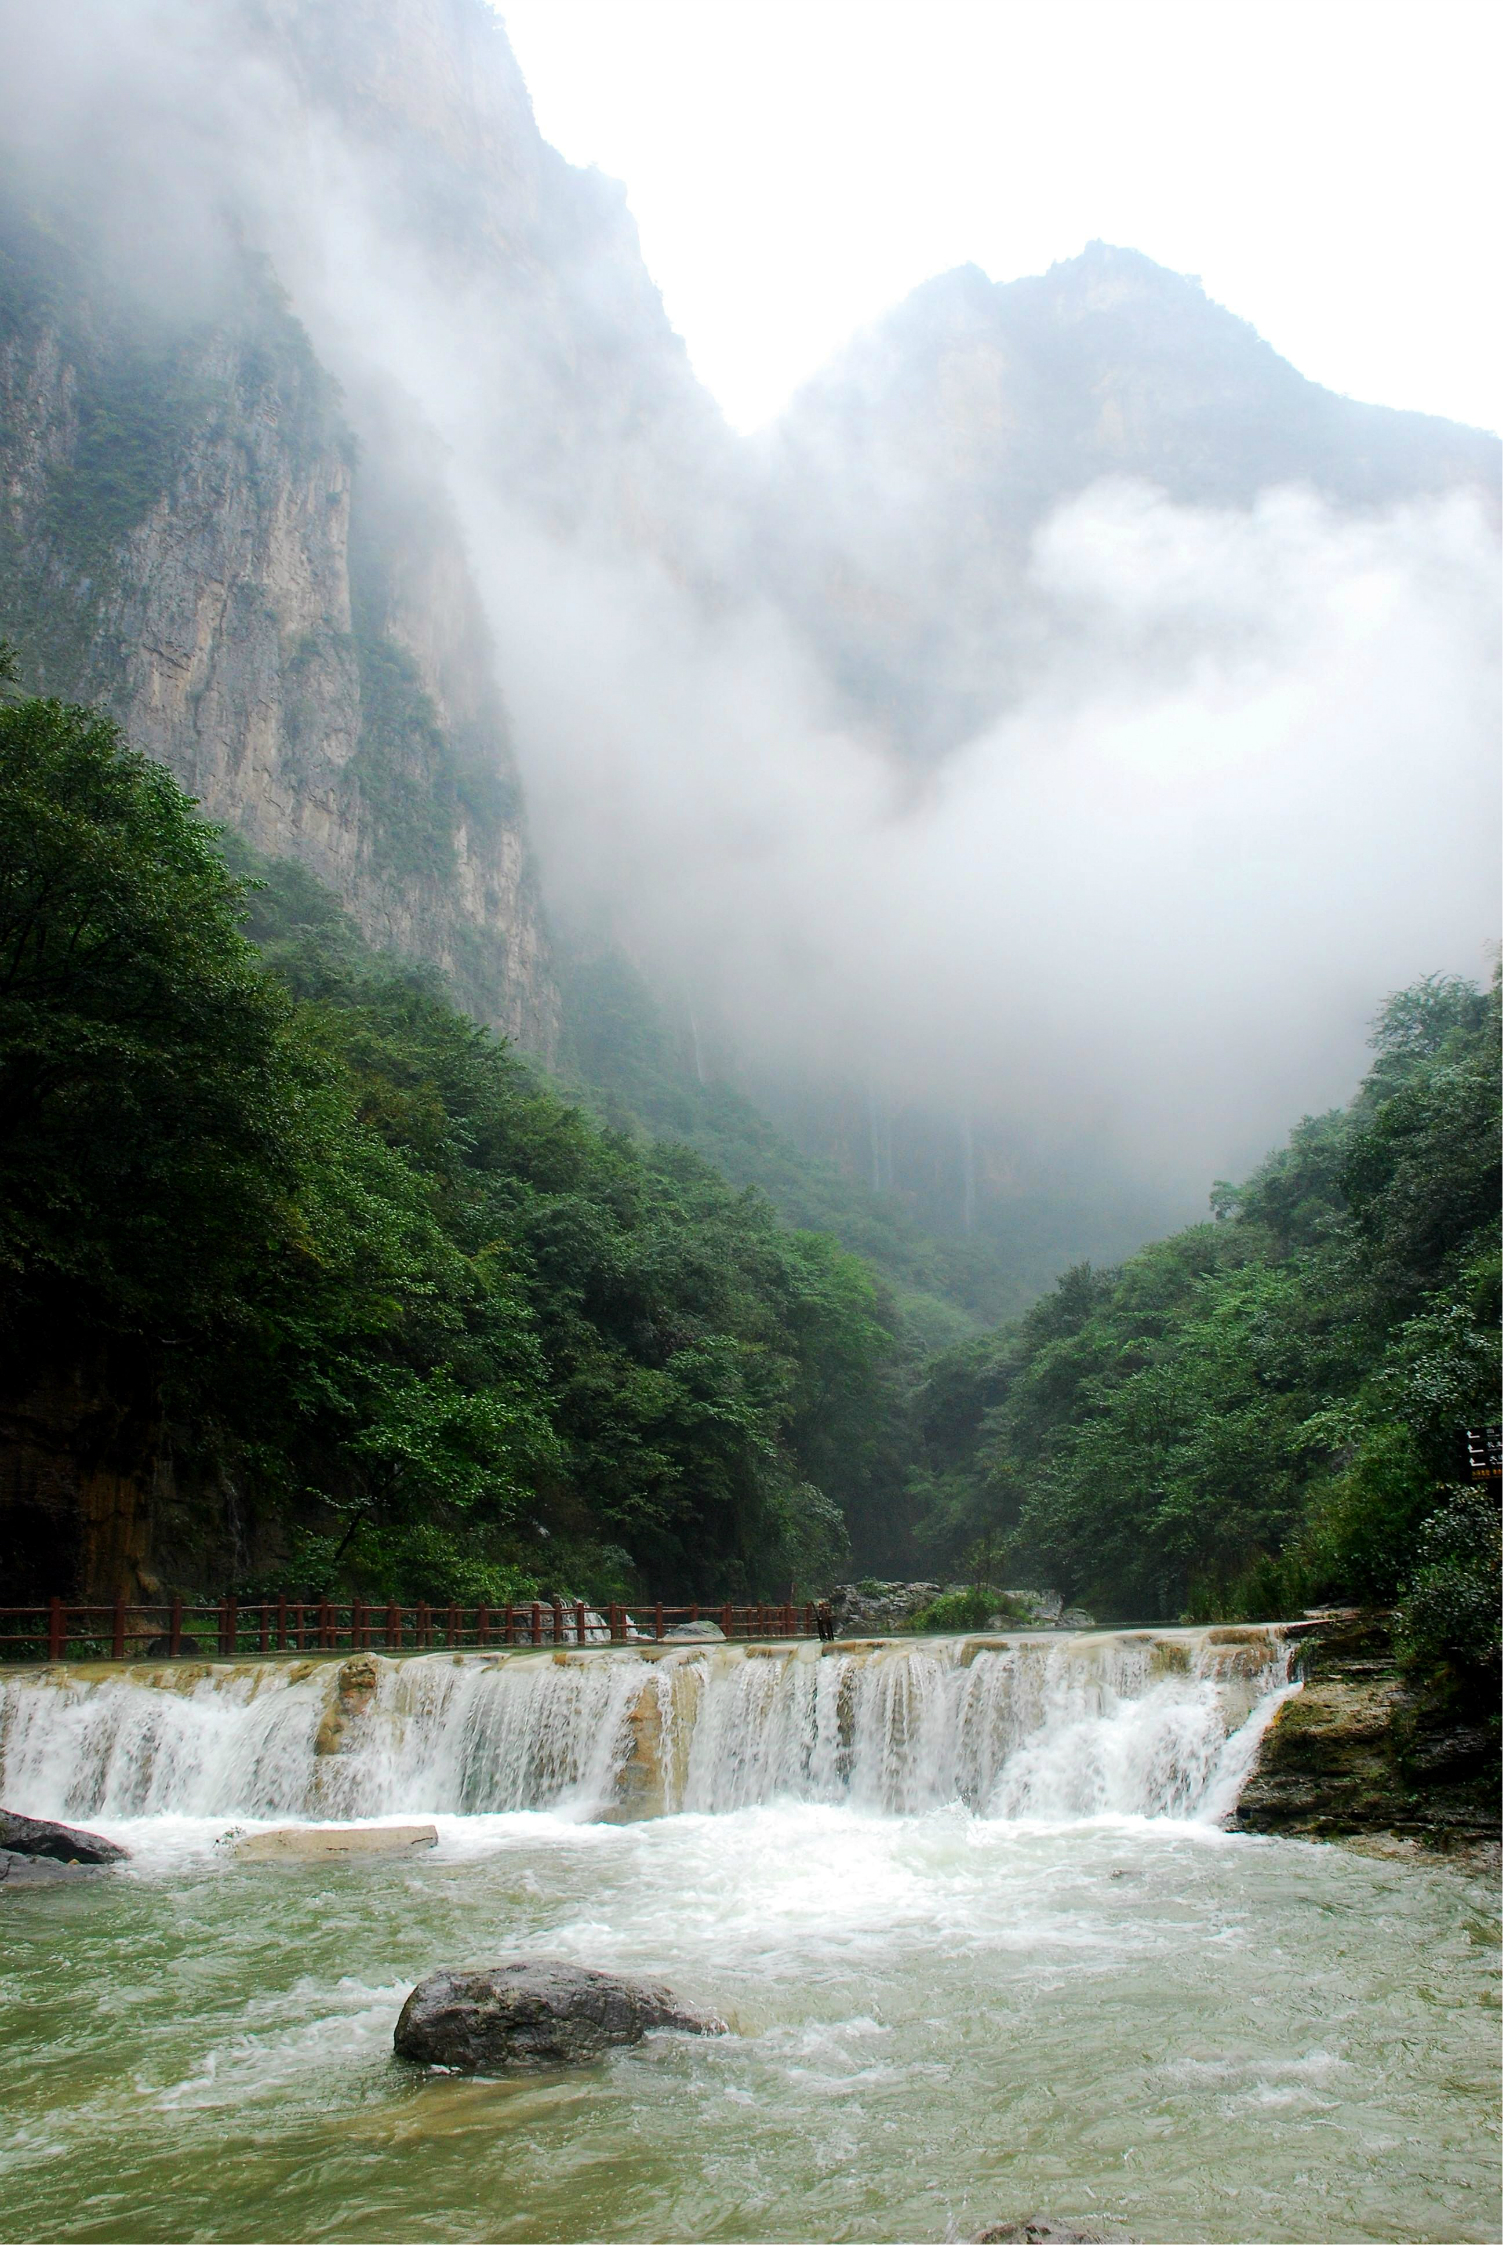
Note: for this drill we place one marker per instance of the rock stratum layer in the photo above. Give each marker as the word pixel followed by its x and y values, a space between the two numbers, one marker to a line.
pixel 1356 1755
pixel 191 537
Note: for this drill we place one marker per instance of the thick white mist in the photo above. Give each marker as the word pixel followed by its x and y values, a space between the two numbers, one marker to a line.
pixel 1247 786
pixel 1250 791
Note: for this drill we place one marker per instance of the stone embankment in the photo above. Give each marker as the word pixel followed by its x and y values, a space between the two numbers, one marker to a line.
pixel 1357 1756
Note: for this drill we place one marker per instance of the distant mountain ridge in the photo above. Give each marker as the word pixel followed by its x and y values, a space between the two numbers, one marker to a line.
pixel 903 485
pixel 258 537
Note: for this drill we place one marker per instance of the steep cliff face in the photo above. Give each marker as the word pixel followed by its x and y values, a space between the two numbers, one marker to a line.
pixel 189 538
pixel 549 343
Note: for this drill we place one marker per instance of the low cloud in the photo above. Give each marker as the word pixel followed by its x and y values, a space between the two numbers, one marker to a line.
pixel 1155 904
pixel 1142 920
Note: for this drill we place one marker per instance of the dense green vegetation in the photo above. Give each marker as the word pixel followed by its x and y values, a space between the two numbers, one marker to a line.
pixel 406 1318
pixel 418 1324
pixel 1265 1410
pixel 621 1057
pixel 811 1150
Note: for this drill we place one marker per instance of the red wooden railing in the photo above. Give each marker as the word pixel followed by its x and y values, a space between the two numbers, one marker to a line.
pixel 232 1630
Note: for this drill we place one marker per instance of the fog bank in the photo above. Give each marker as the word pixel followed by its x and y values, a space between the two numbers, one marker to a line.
pixel 1248 788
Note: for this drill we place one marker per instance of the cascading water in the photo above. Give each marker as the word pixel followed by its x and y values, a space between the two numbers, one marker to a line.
pixel 966 1902
pixel 1138 1723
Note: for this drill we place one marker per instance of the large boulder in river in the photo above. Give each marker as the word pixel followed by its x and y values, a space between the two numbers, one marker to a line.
pixel 63 1843
pixel 534 2013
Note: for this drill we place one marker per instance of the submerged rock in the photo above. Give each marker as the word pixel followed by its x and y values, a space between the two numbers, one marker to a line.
pixel 1037 2229
pixel 310 1843
pixel 62 1843
pixel 534 2013
pixel 43 1870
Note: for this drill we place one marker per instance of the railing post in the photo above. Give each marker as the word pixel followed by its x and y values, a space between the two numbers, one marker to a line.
pixel 393 1626
pixel 537 1623
pixel 613 1621
pixel 421 1628
pixel 117 1641
pixel 509 1624
pixel 657 1621
pixel 453 1629
pixel 727 1620
pixel 558 1620
pixel 56 1636
pixel 263 1616
pixel 281 1621
pixel 231 1627
pixel 175 1629
pixel 579 1621
pixel 482 1625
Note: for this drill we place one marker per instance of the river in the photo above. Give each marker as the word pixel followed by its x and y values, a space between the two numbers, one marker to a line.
pixel 983 1942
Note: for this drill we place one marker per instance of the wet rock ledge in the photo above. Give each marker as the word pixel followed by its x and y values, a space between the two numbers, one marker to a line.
pixel 1357 1756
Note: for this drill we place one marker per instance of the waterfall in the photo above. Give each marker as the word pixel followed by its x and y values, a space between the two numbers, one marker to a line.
pixel 1139 1723
pixel 968 1151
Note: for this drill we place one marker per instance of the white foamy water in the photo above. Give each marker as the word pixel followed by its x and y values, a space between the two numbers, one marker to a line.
pixel 1134 1723
pixel 966 1904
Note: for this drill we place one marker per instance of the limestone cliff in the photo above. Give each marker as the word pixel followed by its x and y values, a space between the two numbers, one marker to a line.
pixel 549 348
pixel 190 537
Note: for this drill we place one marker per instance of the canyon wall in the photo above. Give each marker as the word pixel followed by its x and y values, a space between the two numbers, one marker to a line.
pixel 191 536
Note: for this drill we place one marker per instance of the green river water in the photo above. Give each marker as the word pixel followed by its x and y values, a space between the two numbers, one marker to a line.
pixel 939 2019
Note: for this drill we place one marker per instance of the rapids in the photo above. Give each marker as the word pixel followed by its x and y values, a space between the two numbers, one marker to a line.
pixel 968 1904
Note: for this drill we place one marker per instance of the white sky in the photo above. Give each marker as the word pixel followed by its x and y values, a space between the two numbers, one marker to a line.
pixel 1328 167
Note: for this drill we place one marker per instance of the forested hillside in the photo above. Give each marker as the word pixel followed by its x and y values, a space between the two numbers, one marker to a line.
pixel 1263 1410
pixel 310 1280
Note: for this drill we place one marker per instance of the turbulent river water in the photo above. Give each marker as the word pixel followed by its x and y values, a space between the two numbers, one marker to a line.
pixel 969 1906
